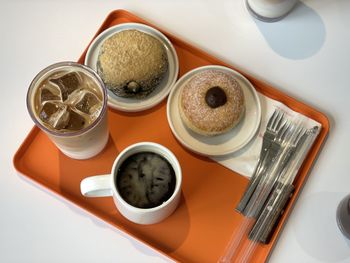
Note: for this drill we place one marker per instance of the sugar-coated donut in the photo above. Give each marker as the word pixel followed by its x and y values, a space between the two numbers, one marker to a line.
pixel 132 63
pixel 211 102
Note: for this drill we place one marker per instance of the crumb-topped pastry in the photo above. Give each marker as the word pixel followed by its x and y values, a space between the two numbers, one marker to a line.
pixel 211 102
pixel 132 63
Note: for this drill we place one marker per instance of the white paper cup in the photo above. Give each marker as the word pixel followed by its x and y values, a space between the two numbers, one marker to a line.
pixel 270 10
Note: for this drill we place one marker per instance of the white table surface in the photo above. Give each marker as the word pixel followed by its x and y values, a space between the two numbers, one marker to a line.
pixel 306 55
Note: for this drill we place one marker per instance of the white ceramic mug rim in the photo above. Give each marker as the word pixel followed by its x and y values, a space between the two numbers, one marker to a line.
pixel 166 154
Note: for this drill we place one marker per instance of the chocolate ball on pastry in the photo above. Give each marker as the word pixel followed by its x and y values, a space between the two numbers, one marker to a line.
pixel 211 102
pixel 132 63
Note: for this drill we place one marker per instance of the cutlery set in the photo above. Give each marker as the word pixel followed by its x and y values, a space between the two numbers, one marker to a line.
pixel 285 146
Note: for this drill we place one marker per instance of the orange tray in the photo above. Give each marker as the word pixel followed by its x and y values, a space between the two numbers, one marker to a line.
pixel 202 225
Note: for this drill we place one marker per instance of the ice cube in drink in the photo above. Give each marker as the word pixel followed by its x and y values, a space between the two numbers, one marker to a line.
pixel 67 83
pixel 55 114
pixel 49 93
pixel 88 103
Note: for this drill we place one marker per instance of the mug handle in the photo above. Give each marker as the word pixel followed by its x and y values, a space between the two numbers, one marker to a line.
pixel 96 186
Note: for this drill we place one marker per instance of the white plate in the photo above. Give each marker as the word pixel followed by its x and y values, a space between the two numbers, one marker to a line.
pixel 219 145
pixel 162 90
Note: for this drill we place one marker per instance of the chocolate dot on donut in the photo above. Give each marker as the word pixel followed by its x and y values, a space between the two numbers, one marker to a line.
pixel 215 97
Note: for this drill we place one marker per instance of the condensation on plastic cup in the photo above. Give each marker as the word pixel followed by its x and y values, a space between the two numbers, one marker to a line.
pixel 270 10
pixel 81 144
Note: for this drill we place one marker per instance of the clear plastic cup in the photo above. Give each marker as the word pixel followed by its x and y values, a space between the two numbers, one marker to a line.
pixel 83 143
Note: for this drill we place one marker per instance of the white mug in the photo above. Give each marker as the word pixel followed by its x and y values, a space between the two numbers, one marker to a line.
pixel 105 185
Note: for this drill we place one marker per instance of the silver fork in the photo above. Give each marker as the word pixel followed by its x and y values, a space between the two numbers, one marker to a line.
pixel 273 125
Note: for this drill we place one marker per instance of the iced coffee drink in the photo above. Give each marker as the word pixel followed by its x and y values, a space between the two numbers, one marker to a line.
pixel 68 101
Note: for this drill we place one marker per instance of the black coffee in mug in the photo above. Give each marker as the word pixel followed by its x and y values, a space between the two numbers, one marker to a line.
pixel 145 180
